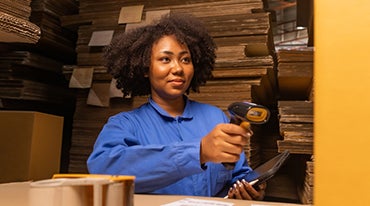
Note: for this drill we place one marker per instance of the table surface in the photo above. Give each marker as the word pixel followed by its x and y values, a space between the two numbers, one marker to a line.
pixel 157 200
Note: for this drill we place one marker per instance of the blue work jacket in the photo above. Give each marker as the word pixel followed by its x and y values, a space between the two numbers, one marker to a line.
pixel 163 152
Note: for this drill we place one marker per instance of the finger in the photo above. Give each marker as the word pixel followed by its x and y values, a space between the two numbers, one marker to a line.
pixel 245 125
pixel 230 152
pixel 233 129
pixel 240 138
pixel 243 192
pixel 237 139
pixel 254 194
pixel 233 149
pixel 230 193
pixel 236 192
pixel 232 134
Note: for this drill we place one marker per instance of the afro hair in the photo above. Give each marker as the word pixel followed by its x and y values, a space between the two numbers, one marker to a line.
pixel 129 54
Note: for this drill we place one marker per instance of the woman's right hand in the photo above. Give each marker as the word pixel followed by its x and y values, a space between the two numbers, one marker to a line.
pixel 224 143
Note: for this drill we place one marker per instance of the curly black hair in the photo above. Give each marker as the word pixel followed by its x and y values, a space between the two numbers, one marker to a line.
pixel 129 54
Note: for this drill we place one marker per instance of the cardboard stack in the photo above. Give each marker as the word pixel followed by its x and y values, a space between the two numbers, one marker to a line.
pixel 14 22
pixel 295 73
pixel 32 82
pixel 295 110
pixel 20 9
pixel 88 120
pixel 296 126
pixel 31 75
pixel 306 191
pixel 295 77
pixel 33 72
pixel 56 41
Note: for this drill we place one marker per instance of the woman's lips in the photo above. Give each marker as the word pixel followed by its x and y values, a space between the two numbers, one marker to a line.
pixel 177 82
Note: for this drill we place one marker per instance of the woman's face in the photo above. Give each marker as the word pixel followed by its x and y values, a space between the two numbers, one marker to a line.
pixel 171 69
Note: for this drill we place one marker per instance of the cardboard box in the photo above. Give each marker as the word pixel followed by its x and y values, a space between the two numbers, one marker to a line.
pixel 30 145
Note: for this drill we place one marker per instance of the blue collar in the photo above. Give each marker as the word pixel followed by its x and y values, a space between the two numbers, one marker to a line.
pixel 187 114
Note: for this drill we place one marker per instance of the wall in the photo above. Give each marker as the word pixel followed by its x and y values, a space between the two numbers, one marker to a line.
pixel 342 74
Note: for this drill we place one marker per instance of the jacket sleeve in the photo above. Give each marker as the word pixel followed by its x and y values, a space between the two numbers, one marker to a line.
pixel 118 152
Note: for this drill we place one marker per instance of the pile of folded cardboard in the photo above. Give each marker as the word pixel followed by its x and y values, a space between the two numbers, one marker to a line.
pixel 14 22
pixel 295 76
pixel 306 191
pixel 295 110
pixel 56 41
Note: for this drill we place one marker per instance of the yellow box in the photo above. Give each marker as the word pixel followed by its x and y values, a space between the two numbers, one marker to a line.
pixel 30 145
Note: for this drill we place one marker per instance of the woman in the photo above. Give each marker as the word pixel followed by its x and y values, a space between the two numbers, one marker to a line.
pixel 173 145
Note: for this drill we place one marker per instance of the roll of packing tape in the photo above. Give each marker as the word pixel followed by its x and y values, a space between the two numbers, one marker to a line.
pixel 81 192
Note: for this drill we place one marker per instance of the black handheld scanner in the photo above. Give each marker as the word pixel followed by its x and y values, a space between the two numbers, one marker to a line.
pixel 246 112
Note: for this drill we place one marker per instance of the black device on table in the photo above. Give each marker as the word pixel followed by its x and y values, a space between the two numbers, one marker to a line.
pixel 268 169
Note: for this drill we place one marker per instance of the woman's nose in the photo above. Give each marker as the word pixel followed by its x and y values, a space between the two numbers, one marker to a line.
pixel 177 67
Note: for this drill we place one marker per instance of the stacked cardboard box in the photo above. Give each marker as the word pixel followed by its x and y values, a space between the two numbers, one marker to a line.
pixel 30 144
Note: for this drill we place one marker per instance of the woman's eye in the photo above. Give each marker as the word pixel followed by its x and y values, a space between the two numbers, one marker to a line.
pixel 165 59
pixel 186 60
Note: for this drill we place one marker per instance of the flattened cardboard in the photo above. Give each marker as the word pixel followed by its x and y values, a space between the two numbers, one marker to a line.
pixel 81 78
pixel 99 95
pixel 101 38
pixel 130 14
pixel 13 37
pixel 14 29
pixel 150 17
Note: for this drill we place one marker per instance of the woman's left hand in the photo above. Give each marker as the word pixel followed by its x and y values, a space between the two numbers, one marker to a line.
pixel 243 190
